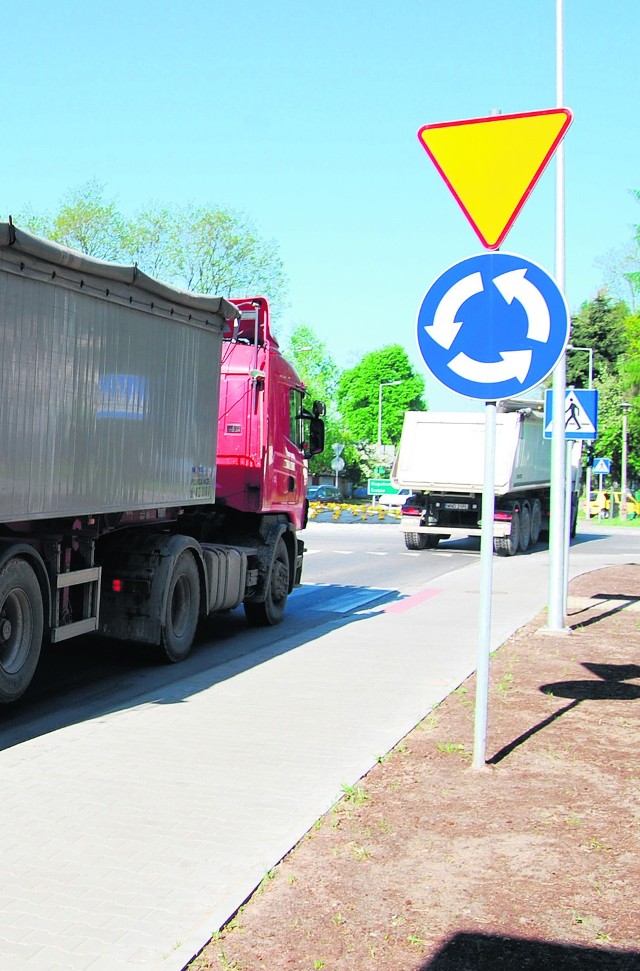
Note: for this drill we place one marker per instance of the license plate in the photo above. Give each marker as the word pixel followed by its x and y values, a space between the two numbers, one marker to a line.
pixel 456 505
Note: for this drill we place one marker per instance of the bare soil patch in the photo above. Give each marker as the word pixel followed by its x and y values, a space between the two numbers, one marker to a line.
pixel 531 862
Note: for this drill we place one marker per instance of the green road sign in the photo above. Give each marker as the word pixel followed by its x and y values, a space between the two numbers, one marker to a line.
pixel 381 487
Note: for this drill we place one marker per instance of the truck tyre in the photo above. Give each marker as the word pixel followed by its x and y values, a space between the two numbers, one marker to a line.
pixel 509 545
pixel 417 541
pixel 270 611
pixel 181 609
pixel 432 541
pixel 21 627
pixel 525 527
pixel 536 521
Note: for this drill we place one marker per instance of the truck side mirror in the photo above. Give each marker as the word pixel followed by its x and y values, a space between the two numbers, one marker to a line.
pixel 316 437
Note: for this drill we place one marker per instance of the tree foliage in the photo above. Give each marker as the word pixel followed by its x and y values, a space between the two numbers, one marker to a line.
pixel 206 249
pixel 313 362
pixel 630 365
pixel 614 337
pixel 599 325
pixel 610 427
pixel 85 221
pixel 317 369
pixel 359 394
pixel 632 274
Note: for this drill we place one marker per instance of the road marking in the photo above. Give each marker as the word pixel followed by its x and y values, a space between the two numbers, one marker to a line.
pixel 399 606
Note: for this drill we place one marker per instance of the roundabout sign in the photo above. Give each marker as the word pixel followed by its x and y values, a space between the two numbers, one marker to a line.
pixel 493 326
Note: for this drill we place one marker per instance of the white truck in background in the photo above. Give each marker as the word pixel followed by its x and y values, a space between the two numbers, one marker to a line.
pixel 441 460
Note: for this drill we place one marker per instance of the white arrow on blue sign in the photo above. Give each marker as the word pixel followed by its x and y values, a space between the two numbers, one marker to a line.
pixel 580 414
pixel 493 326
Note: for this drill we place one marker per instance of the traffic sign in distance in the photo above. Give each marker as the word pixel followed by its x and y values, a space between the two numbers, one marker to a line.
pixel 601 466
pixel 381 487
pixel 493 326
pixel 580 414
pixel 492 164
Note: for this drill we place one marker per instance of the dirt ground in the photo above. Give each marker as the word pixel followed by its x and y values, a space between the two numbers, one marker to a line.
pixel 531 862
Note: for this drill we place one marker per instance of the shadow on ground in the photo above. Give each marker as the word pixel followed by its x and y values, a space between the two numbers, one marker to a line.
pixel 480 952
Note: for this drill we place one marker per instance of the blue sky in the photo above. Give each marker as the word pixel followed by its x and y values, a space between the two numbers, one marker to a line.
pixel 305 117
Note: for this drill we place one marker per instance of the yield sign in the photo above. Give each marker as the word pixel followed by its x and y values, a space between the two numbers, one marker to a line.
pixel 492 164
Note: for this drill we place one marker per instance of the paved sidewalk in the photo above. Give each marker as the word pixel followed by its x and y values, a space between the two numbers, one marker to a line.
pixel 128 840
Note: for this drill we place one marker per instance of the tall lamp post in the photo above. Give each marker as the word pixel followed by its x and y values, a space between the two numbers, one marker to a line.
pixel 589 350
pixel 623 485
pixel 383 384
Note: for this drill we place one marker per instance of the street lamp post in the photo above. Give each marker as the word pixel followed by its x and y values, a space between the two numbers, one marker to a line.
pixel 623 485
pixel 589 350
pixel 383 384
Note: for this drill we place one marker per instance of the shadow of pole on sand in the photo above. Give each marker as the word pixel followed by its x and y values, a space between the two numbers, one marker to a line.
pixel 612 686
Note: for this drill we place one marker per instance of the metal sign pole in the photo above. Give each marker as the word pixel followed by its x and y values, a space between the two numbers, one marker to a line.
pixel 568 492
pixel 558 549
pixel 486 575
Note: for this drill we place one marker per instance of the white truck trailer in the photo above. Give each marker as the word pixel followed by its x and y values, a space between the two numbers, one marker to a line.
pixel 441 460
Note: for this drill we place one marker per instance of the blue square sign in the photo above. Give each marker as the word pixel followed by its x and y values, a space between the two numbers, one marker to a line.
pixel 580 414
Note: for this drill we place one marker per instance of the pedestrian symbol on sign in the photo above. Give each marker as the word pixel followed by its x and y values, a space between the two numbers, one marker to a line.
pixel 580 414
pixel 574 414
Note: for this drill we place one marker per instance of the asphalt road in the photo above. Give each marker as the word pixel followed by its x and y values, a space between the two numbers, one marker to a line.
pixel 347 568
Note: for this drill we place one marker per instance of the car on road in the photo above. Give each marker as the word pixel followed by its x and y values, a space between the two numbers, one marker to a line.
pixel 600 504
pixel 394 500
pixel 323 493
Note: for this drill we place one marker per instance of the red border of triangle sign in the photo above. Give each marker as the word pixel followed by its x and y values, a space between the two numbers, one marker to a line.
pixel 492 164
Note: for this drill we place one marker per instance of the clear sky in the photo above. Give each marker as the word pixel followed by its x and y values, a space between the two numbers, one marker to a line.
pixel 304 117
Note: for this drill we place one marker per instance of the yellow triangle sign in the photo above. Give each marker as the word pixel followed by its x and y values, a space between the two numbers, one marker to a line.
pixel 492 164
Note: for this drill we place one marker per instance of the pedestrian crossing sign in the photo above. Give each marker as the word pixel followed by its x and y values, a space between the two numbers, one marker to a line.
pixel 601 466
pixel 580 414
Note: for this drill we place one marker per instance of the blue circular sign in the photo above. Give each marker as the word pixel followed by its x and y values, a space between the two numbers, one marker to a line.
pixel 493 326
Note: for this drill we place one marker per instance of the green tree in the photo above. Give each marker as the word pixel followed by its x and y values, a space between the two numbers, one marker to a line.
pixel 633 275
pixel 85 221
pixel 314 364
pixel 600 325
pixel 630 365
pixel 359 395
pixel 317 369
pixel 611 396
pixel 207 249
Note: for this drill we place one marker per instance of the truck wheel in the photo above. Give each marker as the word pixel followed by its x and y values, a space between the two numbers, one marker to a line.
pixel 508 545
pixel 181 610
pixel 536 521
pixel 21 627
pixel 270 611
pixel 417 541
pixel 525 528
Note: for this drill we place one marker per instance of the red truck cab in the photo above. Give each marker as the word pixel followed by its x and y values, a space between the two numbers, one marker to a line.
pixel 265 434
